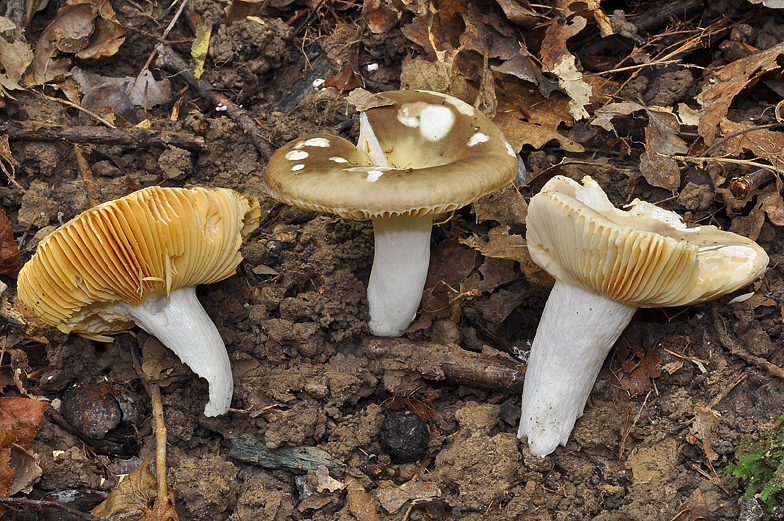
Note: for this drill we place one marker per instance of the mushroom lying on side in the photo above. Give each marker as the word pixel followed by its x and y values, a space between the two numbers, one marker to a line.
pixel 607 263
pixel 423 154
pixel 138 260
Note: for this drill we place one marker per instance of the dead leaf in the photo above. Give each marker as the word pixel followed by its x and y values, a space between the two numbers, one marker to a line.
pixel 393 497
pixel 105 40
pixel 513 247
pixel 360 503
pixel 69 32
pixel 381 16
pixel 557 59
pixel 658 170
pixel 136 492
pixel 519 12
pixel 10 263
pixel 764 143
pixel 23 416
pixel 694 509
pixel 506 206
pixel 364 100
pixel 718 93
pixel 704 427
pixel 639 375
pixel 15 57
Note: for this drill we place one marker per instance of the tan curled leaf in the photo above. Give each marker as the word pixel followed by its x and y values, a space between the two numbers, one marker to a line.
pixel 136 492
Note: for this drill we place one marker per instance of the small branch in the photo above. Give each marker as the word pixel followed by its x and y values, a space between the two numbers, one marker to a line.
pixel 170 59
pixel 132 137
pixel 87 176
pixel 733 347
pixel 450 363
pixel 21 502
pixel 163 508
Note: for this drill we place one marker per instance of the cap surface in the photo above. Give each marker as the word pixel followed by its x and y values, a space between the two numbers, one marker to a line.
pixel 439 153
pixel 151 241
pixel 643 257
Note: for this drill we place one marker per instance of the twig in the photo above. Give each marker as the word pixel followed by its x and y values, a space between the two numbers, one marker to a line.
pixel 170 59
pixel 165 33
pixel 87 176
pixel 132 137
pixel 439 362
pixel 727 390
pixel 163 508
pixel 24 502
pixel 733 347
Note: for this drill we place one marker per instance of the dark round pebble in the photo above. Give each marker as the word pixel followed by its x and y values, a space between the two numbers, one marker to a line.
pixel 92 409
pixel 404 436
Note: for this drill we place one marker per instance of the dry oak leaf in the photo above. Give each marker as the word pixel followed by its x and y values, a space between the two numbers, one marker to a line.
pixel 704 427
pixel 380 15
pixel 501 245
pixel 717 95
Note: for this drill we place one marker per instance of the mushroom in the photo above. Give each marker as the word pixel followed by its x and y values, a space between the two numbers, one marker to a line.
pixel 607 263
pixel 423 154
pixel 138 260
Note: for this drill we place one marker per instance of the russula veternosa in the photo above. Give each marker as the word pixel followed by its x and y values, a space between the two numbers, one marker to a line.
pixel 607 263
pixel 138 260
pixel 423 154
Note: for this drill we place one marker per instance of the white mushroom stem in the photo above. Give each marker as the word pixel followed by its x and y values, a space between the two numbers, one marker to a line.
pixel 400 262
pixel 575 333
pixel 183 326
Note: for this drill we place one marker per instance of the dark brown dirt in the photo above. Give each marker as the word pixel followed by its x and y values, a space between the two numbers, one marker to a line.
pixel 293 321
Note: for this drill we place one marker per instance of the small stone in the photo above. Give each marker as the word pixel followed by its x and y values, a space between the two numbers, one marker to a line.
pixel 404 436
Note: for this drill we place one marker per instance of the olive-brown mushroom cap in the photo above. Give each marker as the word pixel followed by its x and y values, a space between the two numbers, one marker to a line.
pixel 442 154
pixel 643 257
pixel 152 241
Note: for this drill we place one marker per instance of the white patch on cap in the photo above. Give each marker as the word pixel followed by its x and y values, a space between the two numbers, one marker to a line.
pixel 509 149
pixel 338 159
pixel 436 122
pixel 478 138
pixel 296 155
pixel 317 142
pixel 297 167
pixel 433 121
pixel 461 106
pixel 373 175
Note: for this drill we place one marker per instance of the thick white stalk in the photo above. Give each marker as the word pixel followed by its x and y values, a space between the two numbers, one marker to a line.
pixel 183 326
pixel 400 262
pixel 575 333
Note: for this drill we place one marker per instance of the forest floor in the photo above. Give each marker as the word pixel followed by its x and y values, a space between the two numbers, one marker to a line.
pixel 668 103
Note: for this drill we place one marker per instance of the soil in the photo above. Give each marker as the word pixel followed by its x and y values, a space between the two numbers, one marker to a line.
pixel 293 320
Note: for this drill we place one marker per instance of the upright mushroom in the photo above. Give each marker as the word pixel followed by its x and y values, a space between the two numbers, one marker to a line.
pixel 423 154
pixel 138 260
pixel 607 263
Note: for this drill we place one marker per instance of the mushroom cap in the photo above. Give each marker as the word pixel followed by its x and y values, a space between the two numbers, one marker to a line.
pixel 441 154
pixel 643 257
pixel 152 241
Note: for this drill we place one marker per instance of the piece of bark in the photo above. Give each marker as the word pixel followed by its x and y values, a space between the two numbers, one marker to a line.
pixel 298 461
pixel 450 363
pixel 132 137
